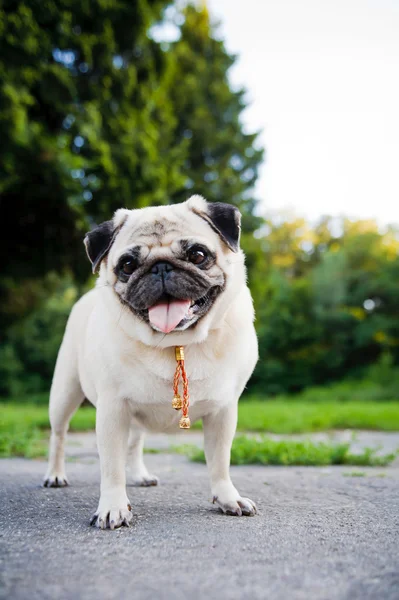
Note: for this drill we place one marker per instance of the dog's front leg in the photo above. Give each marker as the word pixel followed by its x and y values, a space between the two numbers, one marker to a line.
pixel 219 430
pixel 112 428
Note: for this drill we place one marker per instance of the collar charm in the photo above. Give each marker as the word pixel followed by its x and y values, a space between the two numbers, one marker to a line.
pixel 179 402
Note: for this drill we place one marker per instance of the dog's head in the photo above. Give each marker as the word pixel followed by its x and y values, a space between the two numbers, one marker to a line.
pixel 170 266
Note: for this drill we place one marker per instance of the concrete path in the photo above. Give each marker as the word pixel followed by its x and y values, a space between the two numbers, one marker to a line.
pixel 321 534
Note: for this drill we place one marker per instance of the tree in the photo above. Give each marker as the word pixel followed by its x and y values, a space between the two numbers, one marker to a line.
pixel 326 302
pixel 222 161
pixel 85 124
pixel 95 115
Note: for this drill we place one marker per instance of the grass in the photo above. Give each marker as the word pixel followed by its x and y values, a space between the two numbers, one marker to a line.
pixel 264 451
pixel 16 441
pixel 22 424
pixel 299 416
pixel 28 415
pixel 22 428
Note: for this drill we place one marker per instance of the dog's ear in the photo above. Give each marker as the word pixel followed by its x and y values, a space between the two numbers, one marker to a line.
pixel 225 219
pixel 98 242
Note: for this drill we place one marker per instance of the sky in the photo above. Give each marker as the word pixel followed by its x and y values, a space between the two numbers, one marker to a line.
pixel 322 80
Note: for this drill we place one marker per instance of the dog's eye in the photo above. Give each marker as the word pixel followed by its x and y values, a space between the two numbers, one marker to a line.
pixel 128 266
pixel 197 256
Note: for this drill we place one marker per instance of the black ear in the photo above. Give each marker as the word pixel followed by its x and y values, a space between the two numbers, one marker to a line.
pixel 98 242
pixel 225 219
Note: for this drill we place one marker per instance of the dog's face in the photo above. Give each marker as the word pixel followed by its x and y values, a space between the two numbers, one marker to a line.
pixel 168 265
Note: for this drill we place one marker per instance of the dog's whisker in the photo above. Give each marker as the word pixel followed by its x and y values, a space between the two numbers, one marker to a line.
pixel 120 314
pixel 160 341
pixel 230 327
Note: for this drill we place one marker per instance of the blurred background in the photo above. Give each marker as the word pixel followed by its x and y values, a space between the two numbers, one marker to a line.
pixel 286 109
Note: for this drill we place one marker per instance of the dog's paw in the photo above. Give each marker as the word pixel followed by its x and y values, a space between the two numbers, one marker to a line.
pixel 230 502
pixel 55 480
pixel 237 508
pixel 144 480
pixel 112 518
pixel 112 512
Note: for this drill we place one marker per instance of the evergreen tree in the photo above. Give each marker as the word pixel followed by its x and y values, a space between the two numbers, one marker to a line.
pixel 95 115
pixel 85 128
pixel 222 160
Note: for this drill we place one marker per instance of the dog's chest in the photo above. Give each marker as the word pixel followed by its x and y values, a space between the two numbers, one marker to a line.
pixel 155 386
pixel 163 418
pixel 148 387
pixel 152 409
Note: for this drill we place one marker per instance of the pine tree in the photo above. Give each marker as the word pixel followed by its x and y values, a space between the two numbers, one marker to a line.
pixel 85 123
pixel 85 128
pixel 222 160
pixel 95 115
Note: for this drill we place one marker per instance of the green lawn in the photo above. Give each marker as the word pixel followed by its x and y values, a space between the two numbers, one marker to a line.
pixel 299 416
pixel 22 425
pixel 263 451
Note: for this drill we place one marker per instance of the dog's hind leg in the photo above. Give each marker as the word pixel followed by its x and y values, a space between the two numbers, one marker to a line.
pixel 65 397
pixel 138 471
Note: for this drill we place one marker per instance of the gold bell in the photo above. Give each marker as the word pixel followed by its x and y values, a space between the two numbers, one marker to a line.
pixel 185 423
pixel 177 402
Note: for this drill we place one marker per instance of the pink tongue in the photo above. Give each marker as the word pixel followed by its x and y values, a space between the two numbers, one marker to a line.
pixel 167 315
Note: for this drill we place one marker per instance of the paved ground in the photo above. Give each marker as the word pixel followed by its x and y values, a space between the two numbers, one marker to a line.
pixel 319 534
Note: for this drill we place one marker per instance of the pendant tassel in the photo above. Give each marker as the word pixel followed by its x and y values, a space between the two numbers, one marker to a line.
pixel 181 402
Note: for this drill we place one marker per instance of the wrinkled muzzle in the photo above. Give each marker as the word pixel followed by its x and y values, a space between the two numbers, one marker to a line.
pixel 170 297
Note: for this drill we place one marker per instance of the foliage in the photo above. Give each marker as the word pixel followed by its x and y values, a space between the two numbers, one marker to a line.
pixel 27 357
pixel 97 111
pixel 264 451
pixel 326 300
pixel 78 98
pixel 222 160
pixel 96 114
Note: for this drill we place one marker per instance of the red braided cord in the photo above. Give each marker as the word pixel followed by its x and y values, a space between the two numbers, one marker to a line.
pixel 186 396
pixel 181 371
pixel 176 380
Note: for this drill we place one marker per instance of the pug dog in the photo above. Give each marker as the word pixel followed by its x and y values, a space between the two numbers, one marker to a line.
pixel 168 276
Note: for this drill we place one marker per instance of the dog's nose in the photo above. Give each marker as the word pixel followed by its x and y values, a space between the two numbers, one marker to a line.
pixel 161 268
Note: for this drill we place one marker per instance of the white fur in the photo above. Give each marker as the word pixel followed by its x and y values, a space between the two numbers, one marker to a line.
pixel 126 369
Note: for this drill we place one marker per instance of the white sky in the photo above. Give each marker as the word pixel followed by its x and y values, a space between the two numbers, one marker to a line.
pixel 323 81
